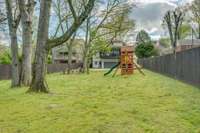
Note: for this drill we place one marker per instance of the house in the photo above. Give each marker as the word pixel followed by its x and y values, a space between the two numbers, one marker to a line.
pixel 187 44
pixel 107 60
pixel 182 45
pixel 60 53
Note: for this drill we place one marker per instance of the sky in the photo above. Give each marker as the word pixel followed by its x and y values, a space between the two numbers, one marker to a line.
pixel 148 15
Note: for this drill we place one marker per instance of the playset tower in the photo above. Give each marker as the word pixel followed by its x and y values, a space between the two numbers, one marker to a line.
pixel 126 60
pixel 126 63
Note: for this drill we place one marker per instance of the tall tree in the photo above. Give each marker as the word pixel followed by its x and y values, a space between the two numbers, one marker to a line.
pixel 105 26
pixel 26 8
pixel 44 44
pixel 143 37
pixel 13 18
pixel 39 69
pixel 173 20
pixel 195 7
pixel 64 18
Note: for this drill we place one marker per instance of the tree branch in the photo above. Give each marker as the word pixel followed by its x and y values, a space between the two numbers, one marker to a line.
pixel 72 9
pixel 60 40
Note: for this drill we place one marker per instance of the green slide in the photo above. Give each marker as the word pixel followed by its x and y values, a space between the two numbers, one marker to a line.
pixel 112 69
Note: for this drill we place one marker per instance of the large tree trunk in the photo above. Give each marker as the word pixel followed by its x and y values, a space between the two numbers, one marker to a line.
pixel 13 22
pixel 39 70
pixel 15 61
pixel 86 46
pixel 85 61
pixel 26 70
pixel 26 12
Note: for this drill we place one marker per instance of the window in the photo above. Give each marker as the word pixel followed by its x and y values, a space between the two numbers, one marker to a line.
pixel 63 53
pixel 96 63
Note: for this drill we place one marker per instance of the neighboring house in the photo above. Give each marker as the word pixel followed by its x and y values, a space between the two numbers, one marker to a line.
pixel 187 44
pixel 181 46
pixel 107 60
pixel 162 49
pixel 60 53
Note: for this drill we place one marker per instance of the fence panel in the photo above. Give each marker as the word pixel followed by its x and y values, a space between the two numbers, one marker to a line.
pixel 185 66
pixel 5 70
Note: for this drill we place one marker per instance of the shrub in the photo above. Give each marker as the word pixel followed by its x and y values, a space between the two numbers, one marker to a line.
pixel 5 58
pixel 145 50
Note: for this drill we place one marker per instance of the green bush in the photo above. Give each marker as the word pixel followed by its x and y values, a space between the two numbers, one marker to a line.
pixel 49 59
pixel 145 50
pixel 5 58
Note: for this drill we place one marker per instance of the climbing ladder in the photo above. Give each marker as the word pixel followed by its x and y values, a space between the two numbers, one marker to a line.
pixel 126 60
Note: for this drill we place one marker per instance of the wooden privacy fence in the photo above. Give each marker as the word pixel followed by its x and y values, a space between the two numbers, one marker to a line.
pixel 185 66
pixel 5 70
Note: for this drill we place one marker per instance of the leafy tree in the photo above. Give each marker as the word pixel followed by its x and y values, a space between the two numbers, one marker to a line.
pixel 165 42
pixel 106 26
pixel 184 30
pixel 195 7
pixel 143 37
pixel 145 50
pixel 119 23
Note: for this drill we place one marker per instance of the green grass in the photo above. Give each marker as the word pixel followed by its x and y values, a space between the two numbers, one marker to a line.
pixel 97 104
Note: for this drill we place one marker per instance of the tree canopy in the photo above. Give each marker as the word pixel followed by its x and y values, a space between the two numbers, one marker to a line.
pixel 143 37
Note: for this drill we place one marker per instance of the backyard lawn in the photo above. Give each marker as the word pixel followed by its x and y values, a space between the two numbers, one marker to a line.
pixel 97 104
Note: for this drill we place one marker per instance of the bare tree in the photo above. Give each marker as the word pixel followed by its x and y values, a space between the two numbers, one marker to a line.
pixel 44 44
pixel 173 20
pixel 26 8
pixel 64 16
pixel 2 18
pixel 13 18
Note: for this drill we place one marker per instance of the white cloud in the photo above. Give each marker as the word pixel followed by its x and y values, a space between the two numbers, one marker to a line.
pixel 149 14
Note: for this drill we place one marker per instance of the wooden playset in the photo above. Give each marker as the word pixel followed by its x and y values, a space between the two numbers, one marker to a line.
pixel 126 63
